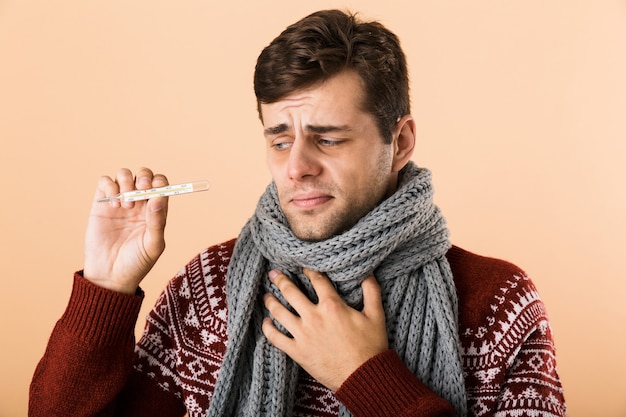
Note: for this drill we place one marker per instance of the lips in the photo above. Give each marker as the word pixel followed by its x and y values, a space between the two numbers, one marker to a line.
pixel 310 200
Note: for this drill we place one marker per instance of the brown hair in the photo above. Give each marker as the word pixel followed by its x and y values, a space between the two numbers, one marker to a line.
pixel 326 43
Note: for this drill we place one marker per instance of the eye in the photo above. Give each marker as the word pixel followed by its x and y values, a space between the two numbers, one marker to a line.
pixel 328 142
pixel 281 144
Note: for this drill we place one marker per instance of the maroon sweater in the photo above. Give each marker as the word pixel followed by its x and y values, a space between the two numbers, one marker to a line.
pixel 92 366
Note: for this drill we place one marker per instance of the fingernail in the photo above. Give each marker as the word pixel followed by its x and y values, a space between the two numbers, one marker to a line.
pixel 272 274
pixel 144 182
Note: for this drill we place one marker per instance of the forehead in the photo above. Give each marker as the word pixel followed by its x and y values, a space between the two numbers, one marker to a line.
pixel 338 97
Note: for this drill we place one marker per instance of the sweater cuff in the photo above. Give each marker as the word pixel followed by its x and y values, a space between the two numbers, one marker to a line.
pixel 384 386
pixel 98 315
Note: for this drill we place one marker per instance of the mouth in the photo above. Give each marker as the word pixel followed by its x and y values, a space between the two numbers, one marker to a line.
pixel 310 201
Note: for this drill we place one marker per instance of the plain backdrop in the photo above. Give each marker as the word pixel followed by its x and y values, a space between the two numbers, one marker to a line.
pixel 521 114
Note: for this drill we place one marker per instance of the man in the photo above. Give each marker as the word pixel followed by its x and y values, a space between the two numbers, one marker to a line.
pixel 342 294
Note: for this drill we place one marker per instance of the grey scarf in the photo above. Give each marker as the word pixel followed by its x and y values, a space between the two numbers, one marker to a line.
pixel 403 241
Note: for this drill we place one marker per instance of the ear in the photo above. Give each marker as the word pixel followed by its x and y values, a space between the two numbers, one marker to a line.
pixel 403 142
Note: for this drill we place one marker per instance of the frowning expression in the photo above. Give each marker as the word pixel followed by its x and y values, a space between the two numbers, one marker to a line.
pixel 327 157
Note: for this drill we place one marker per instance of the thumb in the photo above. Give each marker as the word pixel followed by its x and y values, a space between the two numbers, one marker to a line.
pixel 156 218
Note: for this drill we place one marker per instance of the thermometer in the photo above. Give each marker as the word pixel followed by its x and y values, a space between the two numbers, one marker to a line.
pixel 168 190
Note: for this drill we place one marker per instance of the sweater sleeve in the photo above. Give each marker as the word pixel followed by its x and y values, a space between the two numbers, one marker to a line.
pixel 383 386
pixel 532 385
pixel 89 357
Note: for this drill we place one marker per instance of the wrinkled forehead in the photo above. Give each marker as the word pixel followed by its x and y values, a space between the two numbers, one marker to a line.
pixel 330 101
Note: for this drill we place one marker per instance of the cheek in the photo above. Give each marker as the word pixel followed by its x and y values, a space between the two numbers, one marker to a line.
pixel 374 179
pixel 274 165
pixel 356 184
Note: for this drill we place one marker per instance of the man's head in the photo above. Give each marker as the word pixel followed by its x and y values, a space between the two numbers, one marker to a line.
pixel 326 43
pixel 333 99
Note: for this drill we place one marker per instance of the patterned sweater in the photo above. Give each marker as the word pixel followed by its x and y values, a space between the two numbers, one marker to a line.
pixel 91 366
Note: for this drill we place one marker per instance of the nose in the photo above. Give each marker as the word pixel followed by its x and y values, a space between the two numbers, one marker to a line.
pixel 304 161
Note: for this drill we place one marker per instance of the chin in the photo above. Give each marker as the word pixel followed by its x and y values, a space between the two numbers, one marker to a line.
pixel 311 236
pixel 317 231
pixel 315 226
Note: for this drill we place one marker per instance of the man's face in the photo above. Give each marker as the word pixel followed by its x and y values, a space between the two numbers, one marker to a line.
pixel 327 157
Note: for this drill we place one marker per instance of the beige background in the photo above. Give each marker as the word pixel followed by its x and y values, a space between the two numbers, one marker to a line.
pixel 521 109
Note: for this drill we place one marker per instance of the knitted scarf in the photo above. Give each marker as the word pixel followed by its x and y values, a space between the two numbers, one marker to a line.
pixel 403 241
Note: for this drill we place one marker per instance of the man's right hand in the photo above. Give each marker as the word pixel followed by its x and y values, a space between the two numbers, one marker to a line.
pixel 124 240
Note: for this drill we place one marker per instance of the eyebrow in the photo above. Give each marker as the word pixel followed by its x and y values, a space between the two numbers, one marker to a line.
pixel 283 127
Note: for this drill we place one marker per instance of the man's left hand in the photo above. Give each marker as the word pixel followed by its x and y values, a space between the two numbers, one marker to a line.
pixel 330 339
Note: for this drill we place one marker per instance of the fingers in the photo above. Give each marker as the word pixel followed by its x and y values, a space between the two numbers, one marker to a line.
pixel 281 313
pixel 293 296
pixel 372 299
pixel 158 204
pixel 276 337
pixel 323 287
pixel 145 179
pixel 126 181
pixel 156 208
pixel 288 289
pixel 156 213
pixel 108 188
pixel 329 339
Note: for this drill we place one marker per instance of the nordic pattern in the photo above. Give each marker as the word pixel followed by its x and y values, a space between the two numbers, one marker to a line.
pixel 506 341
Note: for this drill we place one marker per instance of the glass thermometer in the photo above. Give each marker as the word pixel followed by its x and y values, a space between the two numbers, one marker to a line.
pixel 168 190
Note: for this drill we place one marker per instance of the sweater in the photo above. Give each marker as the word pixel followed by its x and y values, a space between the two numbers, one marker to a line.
pixel 92 366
